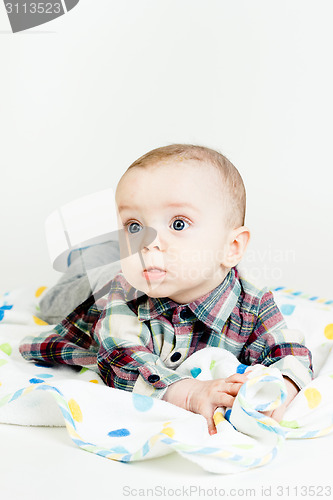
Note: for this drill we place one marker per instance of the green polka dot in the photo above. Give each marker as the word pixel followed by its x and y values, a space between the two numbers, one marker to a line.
pixel 212 364
pixel 3 362
pixel 6 348
pixel 5 400
pixel 83 369
pixel 291 424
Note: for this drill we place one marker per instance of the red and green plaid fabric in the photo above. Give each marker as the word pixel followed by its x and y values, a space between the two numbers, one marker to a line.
pixel 136 342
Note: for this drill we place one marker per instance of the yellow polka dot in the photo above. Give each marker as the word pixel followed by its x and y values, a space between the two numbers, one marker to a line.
pixel 218 417
pixel 75 410
pixel 154 439
pixel 29 389
pixel 39 321
pixel 169 431
pixel 73 433
pixel 40 290
pixel 328 332
pixel 313 397
pixel 266 459
pixel 94 381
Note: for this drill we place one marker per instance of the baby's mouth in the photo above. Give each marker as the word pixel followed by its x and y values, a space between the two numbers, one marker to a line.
pixel 153 273
pixel 153 269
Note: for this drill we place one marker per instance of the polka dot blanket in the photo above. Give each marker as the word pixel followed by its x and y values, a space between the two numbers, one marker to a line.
pixel 123 426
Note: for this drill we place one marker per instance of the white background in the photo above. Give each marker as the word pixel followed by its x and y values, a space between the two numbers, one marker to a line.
pixel 85 95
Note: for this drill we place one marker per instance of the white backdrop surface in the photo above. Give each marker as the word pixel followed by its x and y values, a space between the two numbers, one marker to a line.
pixel 86 94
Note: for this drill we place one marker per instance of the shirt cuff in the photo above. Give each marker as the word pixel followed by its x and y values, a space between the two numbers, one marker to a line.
pixel 153 380
pixel 292 368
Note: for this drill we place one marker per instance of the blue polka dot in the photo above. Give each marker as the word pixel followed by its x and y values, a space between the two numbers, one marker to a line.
pixel 241 368
pixel 119 433
pixel 42 364
pixel 142 403
pixel 227 415
pixel 119 449
pixel 287 309
pixel 36 381
pixel 268 378
pixel 195 372
pixel 44 375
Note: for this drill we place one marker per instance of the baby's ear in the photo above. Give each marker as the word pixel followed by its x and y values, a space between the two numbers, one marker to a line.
pixel 236 246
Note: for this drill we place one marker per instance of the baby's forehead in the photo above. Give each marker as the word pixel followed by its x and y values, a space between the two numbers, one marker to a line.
pixel 172 177
pixel 178 169
pixel 192 187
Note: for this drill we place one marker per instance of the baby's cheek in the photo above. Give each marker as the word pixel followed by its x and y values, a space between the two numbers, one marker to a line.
pixel 131 267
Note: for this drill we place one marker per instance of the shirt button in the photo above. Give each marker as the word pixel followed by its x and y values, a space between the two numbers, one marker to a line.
pixel 184 314
pixel 175 357
pixel 153 378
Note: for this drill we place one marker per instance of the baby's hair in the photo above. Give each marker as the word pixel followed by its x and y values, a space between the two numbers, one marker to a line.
pixel 232 181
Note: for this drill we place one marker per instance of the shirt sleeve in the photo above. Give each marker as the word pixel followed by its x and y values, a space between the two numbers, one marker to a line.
pixel 127 358
pixel 54 346
pixel 70 342
pixel 271 343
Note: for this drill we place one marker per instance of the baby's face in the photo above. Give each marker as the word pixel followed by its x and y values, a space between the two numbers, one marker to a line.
pixel 183 202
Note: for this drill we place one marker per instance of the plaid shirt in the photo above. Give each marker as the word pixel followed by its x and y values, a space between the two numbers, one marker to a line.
pixel 135 342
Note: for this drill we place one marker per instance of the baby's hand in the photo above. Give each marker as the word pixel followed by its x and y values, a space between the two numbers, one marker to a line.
pixel 205 396
pixel 292 391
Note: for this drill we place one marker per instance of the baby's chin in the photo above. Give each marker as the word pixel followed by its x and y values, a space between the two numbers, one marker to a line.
pixel 155 290
pixel 155 294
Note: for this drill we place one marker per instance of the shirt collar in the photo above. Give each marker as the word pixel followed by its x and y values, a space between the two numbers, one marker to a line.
pixel 213 309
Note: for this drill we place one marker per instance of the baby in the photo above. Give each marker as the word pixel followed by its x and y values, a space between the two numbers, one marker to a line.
pixel 183 208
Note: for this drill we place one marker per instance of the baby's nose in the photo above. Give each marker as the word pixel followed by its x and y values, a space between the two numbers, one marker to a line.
pixel 142 240
pixel 151 241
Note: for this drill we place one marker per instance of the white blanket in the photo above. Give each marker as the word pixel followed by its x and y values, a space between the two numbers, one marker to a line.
pixel 123 426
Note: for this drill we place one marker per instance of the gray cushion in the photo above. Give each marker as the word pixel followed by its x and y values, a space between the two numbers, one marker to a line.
pixel 89 269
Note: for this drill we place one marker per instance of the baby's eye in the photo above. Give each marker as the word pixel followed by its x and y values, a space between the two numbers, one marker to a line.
pixel 134 227
pixel 179 224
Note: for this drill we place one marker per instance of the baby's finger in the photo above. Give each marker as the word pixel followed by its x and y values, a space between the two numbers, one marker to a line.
pixel 237 377
pixel 232 388
pixel 276 414
pixel 211 426
pixel 223 399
